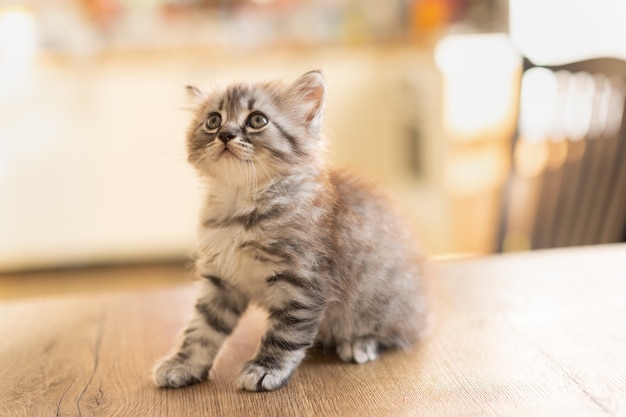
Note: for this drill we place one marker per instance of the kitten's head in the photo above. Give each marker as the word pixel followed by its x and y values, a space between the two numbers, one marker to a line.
pixel 255 132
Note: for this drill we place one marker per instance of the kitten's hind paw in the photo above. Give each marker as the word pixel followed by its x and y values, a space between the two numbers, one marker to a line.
pixel 359 350
pixel 176 372
pixel 254 377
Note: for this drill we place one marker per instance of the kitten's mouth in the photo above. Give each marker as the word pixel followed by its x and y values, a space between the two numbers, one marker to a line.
pixel 228 154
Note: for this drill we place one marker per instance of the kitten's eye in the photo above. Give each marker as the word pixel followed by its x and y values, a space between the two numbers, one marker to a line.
pixel 214 121
pixel 257 120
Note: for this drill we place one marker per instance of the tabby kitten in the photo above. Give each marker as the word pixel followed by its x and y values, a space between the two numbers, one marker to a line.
pixel 322 251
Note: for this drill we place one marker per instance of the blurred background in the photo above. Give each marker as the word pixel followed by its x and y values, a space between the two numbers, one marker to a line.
pixel 427 96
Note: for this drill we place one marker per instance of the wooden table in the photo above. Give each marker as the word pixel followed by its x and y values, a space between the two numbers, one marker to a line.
pixel 533 334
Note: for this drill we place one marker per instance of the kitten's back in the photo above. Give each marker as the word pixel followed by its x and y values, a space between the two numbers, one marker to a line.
pixel 379 278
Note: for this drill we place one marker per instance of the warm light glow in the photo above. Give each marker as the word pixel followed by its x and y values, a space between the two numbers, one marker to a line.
pixel 18 44
pixel 476 171
pixel 615 90
pixel 578 106
pixel 566 106
pixel 538 104
pixel 479 78
pixel 18 37
pixel 531 157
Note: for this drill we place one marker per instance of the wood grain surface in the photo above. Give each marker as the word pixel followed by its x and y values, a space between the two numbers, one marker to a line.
pixel 533 334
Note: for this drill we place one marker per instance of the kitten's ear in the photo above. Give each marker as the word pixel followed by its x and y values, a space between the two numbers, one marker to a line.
pixel 310 92
pixel 195 97
pixel 193 93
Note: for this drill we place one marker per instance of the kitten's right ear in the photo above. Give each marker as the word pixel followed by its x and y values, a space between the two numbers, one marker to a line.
pixel 193 92
pixel 195 97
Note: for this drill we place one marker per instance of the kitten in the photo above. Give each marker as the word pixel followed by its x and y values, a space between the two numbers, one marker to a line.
pixel 322 251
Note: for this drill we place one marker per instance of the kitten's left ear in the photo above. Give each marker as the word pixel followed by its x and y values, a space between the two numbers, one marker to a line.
pixel 310 91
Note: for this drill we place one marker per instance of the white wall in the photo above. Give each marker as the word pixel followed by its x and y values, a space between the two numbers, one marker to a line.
pixel 556 31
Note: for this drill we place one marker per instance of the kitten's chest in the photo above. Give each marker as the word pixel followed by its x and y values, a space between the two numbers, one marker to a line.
pixel 225 252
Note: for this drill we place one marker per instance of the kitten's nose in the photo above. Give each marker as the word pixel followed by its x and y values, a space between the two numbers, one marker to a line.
pixel 225 136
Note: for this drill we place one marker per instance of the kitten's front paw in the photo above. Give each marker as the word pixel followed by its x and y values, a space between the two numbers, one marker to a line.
pixel 254 377
pixel 359 350
pixel 175 373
